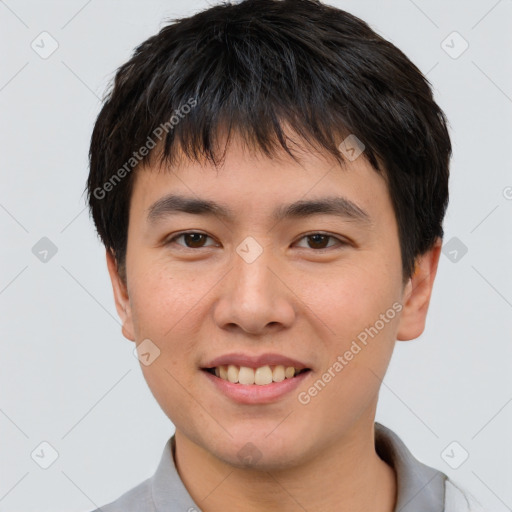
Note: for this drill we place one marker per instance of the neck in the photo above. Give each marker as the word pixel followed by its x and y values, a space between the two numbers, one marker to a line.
pixel 348 476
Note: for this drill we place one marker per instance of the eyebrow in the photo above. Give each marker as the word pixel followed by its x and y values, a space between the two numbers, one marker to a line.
pixel 340 206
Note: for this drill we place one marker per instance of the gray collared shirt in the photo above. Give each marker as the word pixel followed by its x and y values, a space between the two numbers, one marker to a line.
pixel 420 488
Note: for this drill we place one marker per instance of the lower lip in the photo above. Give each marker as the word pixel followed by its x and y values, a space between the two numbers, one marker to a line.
pixel 254 393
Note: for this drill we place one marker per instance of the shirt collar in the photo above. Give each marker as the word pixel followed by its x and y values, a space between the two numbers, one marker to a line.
pixel 420 488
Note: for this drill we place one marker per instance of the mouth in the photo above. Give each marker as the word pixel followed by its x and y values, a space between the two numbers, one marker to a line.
pixel 260 376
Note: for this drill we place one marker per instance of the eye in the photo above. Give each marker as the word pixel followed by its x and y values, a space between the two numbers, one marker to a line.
pixel 196 240
pixel 318 241
pixel 193 239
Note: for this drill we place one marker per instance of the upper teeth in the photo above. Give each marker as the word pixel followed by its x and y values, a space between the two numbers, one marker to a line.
pixel 261 376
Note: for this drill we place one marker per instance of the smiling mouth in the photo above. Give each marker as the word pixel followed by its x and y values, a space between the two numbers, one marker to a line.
pixel 261 376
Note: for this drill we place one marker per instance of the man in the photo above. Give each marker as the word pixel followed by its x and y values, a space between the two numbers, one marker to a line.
pixel 270 179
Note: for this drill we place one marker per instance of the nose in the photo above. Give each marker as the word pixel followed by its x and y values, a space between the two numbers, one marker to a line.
pixel 255 297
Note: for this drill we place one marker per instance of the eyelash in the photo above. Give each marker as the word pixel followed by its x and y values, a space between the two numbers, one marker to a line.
pixel 341 242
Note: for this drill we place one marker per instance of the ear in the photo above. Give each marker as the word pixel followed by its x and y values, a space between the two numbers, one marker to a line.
pixel 417 293
pixel 121 297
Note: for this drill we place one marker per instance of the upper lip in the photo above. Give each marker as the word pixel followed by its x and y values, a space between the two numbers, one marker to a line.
pixel 251 361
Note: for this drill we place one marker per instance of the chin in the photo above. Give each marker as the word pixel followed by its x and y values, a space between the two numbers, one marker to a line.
pixel 259 460
pixel 260 452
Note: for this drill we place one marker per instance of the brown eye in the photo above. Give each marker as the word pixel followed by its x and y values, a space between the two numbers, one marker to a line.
pixel 320 241
pixel 192 239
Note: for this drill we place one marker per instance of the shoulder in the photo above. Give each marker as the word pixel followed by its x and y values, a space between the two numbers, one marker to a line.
pixel 459 500
pixel 163 491
pixel 137 499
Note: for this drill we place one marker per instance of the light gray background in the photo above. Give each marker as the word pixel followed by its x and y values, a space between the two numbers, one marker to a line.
pixel 68 377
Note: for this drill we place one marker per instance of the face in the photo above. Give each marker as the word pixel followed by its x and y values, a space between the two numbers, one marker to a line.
pixel 266 284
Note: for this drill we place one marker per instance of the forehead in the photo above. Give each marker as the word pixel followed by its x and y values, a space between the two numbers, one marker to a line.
pixel 249 181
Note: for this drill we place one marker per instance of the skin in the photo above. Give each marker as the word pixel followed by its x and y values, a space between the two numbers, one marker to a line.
pixel 201 302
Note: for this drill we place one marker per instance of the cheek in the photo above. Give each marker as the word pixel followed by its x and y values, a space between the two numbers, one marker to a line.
pixel 362 313
pixel 168 308
pixel 162 301
pixel 165 310
pixel 352 297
